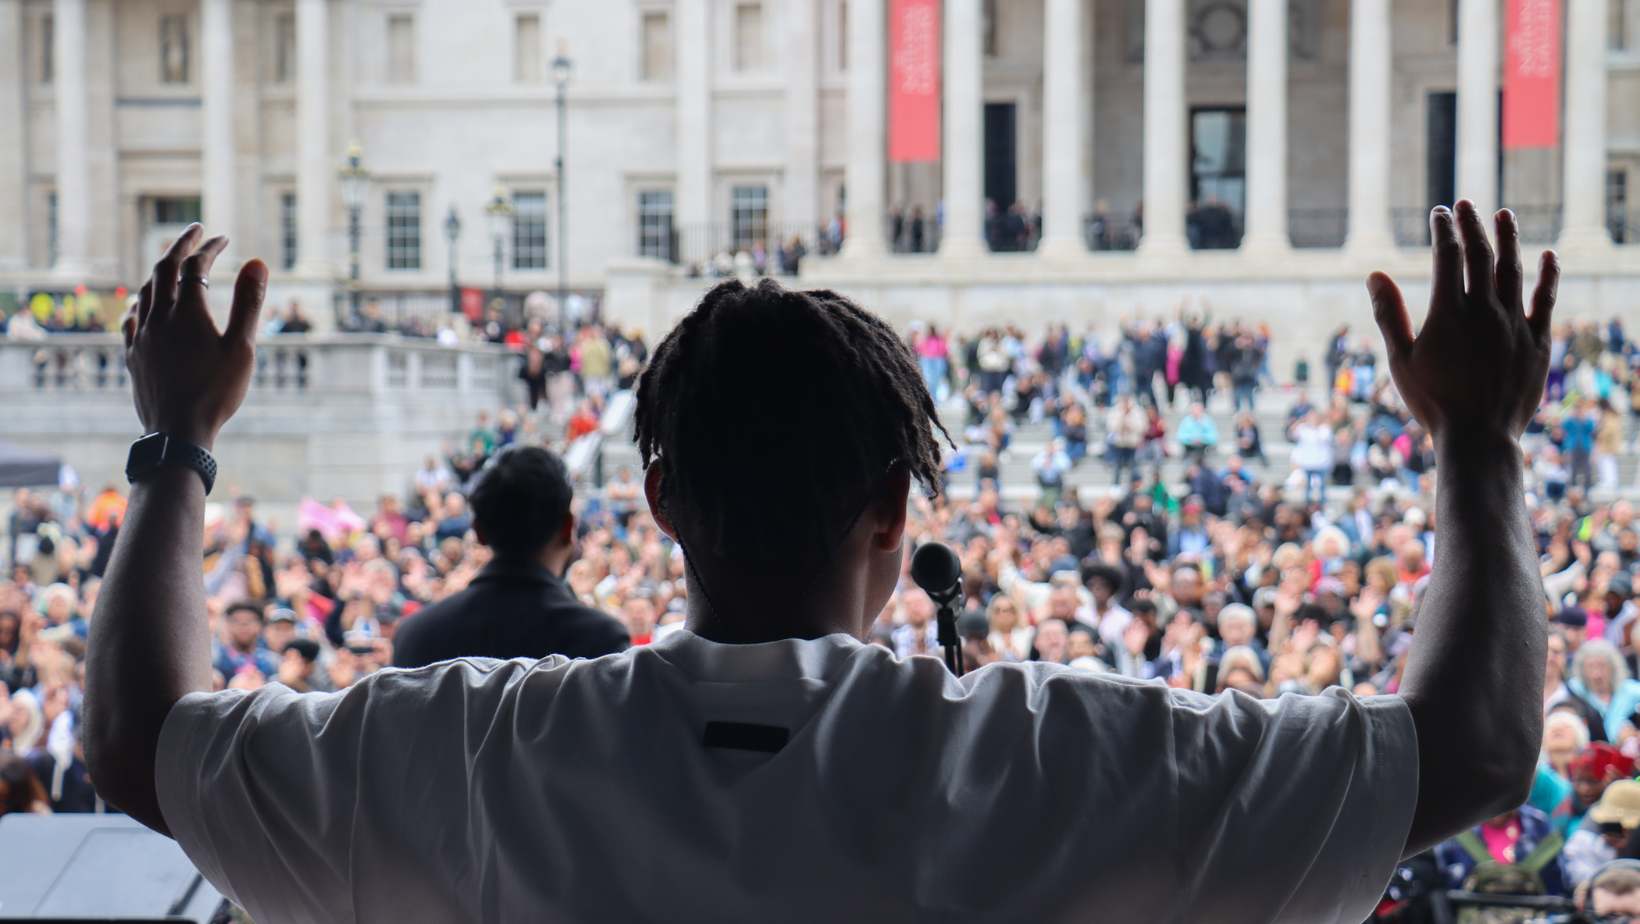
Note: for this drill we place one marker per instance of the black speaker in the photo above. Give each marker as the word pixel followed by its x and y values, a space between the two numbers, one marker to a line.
pixel 102 868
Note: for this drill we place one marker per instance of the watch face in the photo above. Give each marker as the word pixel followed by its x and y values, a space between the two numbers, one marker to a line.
pixel 145 454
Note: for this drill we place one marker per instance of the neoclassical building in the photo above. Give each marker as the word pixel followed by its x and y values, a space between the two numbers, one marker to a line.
pixel 1320 131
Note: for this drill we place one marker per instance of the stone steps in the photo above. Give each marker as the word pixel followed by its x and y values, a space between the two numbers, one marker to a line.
pixel 1018 482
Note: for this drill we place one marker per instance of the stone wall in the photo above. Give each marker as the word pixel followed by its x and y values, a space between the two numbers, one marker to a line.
pixel 326 416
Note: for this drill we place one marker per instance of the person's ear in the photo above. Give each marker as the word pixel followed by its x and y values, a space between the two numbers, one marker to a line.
pixel 890 509
pixel 566 533
pixel 478 531
pixel 652 493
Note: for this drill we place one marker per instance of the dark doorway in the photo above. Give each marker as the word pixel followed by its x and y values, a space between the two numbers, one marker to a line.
pixel 1218 176
pixel 1441 166
pixel 1001 176
pixel 1006 228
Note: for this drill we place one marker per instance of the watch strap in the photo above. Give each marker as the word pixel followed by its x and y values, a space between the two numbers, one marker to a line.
pixel 157 450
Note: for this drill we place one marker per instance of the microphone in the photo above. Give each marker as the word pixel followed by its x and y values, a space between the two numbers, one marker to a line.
pixel 938 571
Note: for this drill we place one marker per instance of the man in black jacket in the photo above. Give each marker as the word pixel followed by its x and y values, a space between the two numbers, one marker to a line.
pixel 518 606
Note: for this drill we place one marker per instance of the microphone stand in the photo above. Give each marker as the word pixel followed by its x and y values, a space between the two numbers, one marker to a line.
pixel 945 619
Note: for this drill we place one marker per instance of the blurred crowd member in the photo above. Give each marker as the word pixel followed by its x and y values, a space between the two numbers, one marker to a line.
pixel 517 605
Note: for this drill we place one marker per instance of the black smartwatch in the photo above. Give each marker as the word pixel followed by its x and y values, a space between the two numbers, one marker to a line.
pixel 156 450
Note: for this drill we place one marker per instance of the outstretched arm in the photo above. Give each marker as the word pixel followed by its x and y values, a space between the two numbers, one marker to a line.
pixel 149 643
pixel 1474 375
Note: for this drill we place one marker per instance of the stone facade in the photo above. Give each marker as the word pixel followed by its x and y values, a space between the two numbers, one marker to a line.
pixel 449 100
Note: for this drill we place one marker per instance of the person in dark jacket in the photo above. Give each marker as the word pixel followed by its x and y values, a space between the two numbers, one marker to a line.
pixel 518 606
pixel 1196 366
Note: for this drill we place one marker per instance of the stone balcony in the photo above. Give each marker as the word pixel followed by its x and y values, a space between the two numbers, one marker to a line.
pixel 326 416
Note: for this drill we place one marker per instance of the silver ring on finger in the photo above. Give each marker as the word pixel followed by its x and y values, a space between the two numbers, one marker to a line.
pixel 203 282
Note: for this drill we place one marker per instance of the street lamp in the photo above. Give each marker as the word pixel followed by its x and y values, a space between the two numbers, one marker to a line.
pixel 501 212
pixel 355 185
pixel 452 233
pixel 562 69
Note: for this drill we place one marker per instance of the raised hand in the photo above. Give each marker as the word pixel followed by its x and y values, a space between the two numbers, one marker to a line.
pixel 1478 366
pixel 188 377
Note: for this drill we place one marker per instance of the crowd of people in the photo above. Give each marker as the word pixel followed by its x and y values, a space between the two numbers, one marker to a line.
pixel 756 258
pixel 45 313
pixel 1210 224
pixel 1232 570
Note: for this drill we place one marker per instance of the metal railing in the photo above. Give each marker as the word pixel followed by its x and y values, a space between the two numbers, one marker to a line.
pixel 907 237
pixel 1213 227
pixel 1012 232
pixel 1624 226
pixel 1539 224
pixel 720 244
pixel 1107 232
pixel 1410 225
pixel 1204 230
pixel 716 247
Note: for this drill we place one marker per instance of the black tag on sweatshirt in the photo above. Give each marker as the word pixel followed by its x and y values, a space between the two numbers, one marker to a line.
pixel 745 736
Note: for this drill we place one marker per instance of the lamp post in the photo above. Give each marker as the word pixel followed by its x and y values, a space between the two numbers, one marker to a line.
pixel 562 69
pixel 452 233
pixel 355 184
pixel 501 212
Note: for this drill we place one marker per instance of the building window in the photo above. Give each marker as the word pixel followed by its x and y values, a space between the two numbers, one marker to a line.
pixel 48 51
pixel 529 230
pixel 988 27
pixel 655 224
pixel 51 228
pixel 657 47
pixel 173 48
pixel 403 230
pixel 287 230
pixel 284 48
pixel 401 48
pixel 527 48
pixel 176 210
pixel 842 35
pixel 748 215
pixel 748 37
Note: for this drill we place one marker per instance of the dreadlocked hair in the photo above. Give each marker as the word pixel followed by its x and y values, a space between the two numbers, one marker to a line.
pixel 774 414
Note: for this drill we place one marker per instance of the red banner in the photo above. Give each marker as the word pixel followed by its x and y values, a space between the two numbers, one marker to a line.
pixel 914 81
pixel 1531 75
pixel 472 304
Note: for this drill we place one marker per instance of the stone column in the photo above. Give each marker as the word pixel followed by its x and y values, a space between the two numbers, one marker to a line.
pixel 14 243
pixel 1369 231
pixel 1166 152
pixel 216 117
pixel 694 135
pixel 73 167
pixel 314 161
pixel 1064 129
pixel 867 130
pixel 800 60
pixel 1267 128
pixel 1583 157
pixel 1478 104
pixel 964 149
